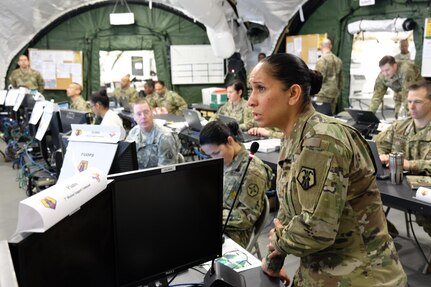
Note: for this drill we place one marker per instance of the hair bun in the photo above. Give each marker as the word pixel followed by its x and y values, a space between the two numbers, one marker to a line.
pixel 233 127
pixel 316 79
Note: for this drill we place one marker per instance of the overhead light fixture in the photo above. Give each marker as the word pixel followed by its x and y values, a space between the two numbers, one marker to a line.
pixel 121 18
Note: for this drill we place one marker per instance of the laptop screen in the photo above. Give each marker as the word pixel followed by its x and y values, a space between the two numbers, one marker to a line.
pixel 192 119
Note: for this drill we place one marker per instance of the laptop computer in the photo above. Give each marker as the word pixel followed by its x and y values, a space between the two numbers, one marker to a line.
pixel 243 136
pixel 366 122
pixel 193 120
pixel 381 172
pixel 124 102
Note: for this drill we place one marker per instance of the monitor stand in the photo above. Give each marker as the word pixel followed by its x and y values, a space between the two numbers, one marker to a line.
pixel 223 276
pixel 161 282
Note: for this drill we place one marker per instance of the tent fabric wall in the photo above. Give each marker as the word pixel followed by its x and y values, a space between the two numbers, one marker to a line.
pixel 333 16
pixel 154 29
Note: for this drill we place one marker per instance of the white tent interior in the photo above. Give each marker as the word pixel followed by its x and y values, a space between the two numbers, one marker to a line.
pixel 21 20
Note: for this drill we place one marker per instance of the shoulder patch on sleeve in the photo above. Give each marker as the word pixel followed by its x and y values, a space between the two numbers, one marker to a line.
pixel 252 189
pixel 306 177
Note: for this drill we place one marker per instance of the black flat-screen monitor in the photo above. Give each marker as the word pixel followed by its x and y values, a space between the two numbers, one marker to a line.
pixel 125 158
pixel 69 117
pixel 77 251
pixel 51 141
pixel 167 219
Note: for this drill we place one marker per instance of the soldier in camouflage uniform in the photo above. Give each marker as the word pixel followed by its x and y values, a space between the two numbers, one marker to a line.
pixel 412 137
pixel 404 54
pixel 150 94
pixel 236 107
pixel 25 76
pixel 398 77
pixel 77 102
pixel 167 101
pixel 125 91
pixel 331 214
pixel 329 66
pixel 155 145
pixel 218 141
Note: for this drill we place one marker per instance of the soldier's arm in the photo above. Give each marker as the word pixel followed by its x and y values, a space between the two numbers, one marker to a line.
pixel 250 202
pixel 409 77
pixel 167 150
pixel 248 119
pixel 134 97
pixel 384 140
pixel 321 182
pixel 379 91
pixel 321 67
pixel 40 83
pixel 12 80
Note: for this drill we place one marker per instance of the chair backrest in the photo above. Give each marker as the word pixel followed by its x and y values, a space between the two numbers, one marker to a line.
pixel 259 224
pixel 324 108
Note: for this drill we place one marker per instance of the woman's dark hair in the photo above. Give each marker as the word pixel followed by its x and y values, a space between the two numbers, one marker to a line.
pixel 100 97
pixel 290 69
pixel 238 86
pixel 217 132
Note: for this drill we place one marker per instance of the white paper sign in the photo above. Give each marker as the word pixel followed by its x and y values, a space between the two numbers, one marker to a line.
pixel 37 112
pixel 22 92
pixel 11 97
pixel 83 155
pixel 424 194
pixel 44 124
pixel 96 133
pixel 3 94
pixel 41 211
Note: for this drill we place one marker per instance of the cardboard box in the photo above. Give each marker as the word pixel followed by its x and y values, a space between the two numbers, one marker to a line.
pixel 206 94
pixel 219 97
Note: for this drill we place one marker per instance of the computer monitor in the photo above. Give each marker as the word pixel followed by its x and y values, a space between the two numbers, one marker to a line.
pixel 77 251
pixel 69 117
pixel 125 158
pixel 63 104
pixel 167 219
pixel 51 141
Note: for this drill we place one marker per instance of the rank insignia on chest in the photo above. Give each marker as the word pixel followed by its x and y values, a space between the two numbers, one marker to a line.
pixel 306 177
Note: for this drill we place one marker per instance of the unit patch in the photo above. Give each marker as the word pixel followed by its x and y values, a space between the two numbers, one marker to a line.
pixel 252 190
pixel 307 177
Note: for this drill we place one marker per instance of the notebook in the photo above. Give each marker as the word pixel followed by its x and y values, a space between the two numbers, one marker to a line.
pixel 366 122
pixel 193 120
pixel 244 137
pixel 382 172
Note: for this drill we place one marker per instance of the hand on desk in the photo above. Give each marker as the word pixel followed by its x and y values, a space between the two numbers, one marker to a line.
pixel 384 158
pixel 282 274
pixel 160 111
pixel 262 132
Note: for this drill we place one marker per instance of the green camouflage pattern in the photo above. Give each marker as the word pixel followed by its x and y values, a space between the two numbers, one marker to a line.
pixel 249 205
pixel 151 99
pixel 331 209
pixel 156 148
pixel 275 133
pixel 239 111
pixel 407 73
pixel 173 102
pixel 402 136
pixel 128 93
pixel 402 57
pixel 31 79
pixel 330 67
pixel 80 104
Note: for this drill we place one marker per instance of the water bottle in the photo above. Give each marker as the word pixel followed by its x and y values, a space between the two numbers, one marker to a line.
pixel 396 162
pixel 402 114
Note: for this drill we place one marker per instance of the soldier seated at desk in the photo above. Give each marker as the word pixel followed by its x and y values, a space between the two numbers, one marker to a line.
pixel 412 137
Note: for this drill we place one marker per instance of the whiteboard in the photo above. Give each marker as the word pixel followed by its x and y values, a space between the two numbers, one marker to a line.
pixel 426 50
pixel 195 64
pixel 58 68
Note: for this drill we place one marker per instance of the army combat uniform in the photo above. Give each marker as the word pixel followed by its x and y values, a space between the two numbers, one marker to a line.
pixel 173 102
pixel 31 79
pixel 155 148
pixel 402 57
pixel 129 93
pixel 331 210
pixel 249 204
pixel 407 73
pixel 329 66
pixel 403 136
pixel 80 104
pixel 239 111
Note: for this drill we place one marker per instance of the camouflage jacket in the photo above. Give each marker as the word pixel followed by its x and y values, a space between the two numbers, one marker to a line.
pixel 173 102
pixel 402 57
pixel 151 99
pixel 239 111
pixel 330 208
pixel 249 204
pixel 402 136
pixel 155 148
pixel 129 93
pixel 330 66
pixel 80 104
pixel 31 79
pixel 407 73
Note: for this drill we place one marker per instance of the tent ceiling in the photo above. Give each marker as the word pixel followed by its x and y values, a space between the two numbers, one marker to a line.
pixel 22 20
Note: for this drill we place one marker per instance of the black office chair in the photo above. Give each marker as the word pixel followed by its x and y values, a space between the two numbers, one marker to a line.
pixel 324 108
